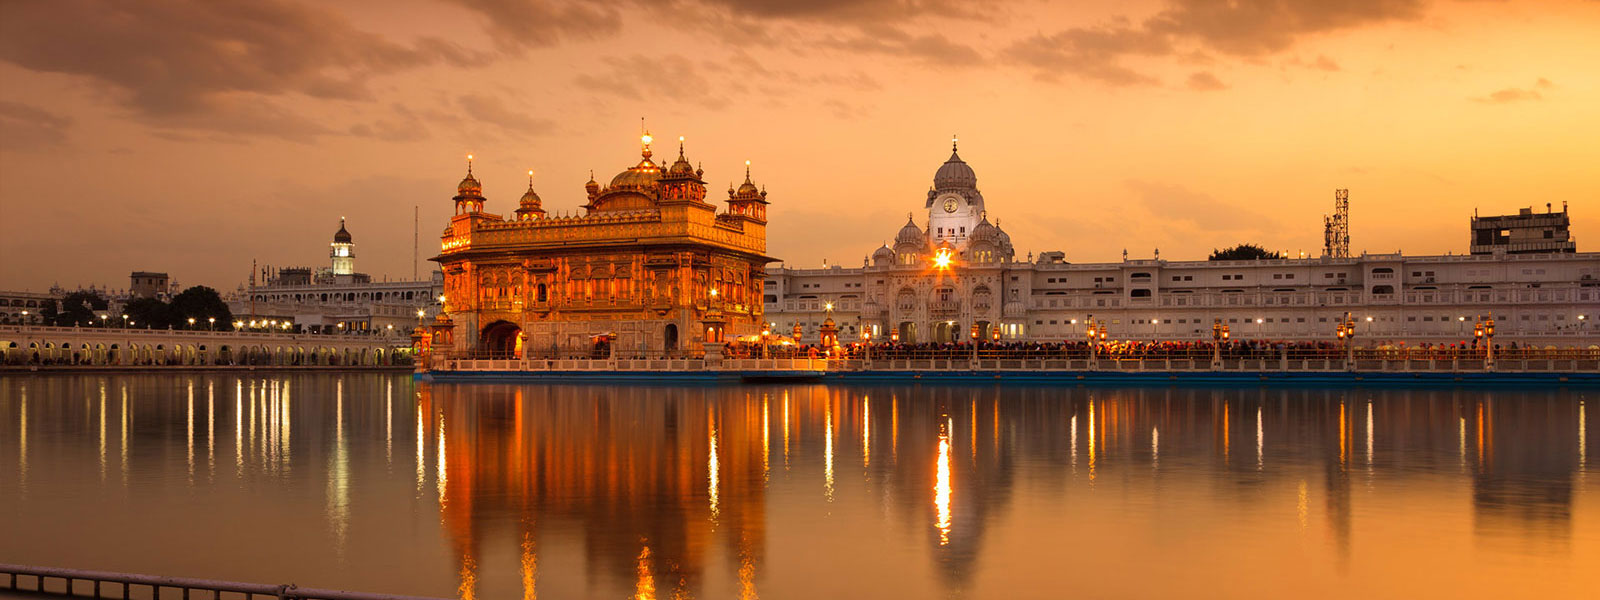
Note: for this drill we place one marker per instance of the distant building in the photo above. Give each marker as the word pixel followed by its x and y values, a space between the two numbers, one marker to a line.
pixel 959 275
pixel 147 284
pixel 335 299
pixel 1526 232
pixel 14 304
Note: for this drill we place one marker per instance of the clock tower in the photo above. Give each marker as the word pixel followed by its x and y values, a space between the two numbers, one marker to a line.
pixel 955 207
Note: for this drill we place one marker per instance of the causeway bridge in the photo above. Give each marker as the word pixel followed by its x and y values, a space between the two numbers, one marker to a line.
pixel 28 345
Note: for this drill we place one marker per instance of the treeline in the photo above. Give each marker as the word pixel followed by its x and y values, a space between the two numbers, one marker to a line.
pixel 89 309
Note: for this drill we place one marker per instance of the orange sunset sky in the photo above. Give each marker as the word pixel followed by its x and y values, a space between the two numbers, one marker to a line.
pixel 194 136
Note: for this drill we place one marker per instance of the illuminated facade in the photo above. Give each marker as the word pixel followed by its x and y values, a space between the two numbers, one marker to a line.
pixel 650 268
pixel 960 274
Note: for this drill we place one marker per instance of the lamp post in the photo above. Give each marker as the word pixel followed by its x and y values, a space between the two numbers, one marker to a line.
pixel 1484 332
pixel 1347 335
pixel 124 321
pixel 191 322
pixel 103 318
pixel 974 335
pixel 866 337
pixel 211 323
pixel 1216 343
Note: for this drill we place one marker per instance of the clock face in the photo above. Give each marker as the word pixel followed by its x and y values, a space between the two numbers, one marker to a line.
pixel 949 205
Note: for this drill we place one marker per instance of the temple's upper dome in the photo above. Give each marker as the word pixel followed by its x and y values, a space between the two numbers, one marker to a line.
pixel 642 175
pixel 342 236
pixel 469 186
pixel 955 173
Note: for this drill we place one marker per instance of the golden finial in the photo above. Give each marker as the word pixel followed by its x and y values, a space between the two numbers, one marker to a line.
pixel 747 171
pixel 469 165
pixel 953 140
pixel 530 179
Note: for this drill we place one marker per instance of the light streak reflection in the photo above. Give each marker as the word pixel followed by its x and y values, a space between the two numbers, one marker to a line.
pixel 941 486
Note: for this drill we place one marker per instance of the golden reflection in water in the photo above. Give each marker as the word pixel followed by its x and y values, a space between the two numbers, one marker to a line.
pixel 766 440
pixel 468 589
pixel 645 587
pixel 283 424
pixel 189 425
pixel 1091 440
pixel 747 574
pixel 1155 446
pixel 529 567
pixel 211 429
pixel 1583 439
pixel 941 485
pixel 1227 436
pixel 1461 443
pixel 827 450
pixel 866 432
pixel 339 475
pixel 712 470
pixel 442 476
pixel 421 460
pixel 1072 441
pixel 1343 439
pixel 125 418
pixel 388 423
pixel 238 429
pixel 1261 438
pixel 22 442
pixel 894 430
pixel 786 431
pixel 1303 507
pixel 1369 433
pixel 252 437
pixel 102 430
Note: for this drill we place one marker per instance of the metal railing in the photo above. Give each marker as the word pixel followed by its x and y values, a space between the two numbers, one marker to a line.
pixel 127 586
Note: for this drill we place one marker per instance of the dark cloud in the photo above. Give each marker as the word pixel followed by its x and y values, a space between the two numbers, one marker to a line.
pixel 206 64
pixel 517 25
pixel 1090 53
pixel 1204 81
pixel 25 128
pixel 855 11
pixel 1240 28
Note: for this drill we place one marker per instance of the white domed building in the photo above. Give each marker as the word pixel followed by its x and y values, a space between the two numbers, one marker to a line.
pixel 955 270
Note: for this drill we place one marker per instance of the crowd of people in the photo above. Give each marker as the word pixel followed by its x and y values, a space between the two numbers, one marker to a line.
pixel 1131 350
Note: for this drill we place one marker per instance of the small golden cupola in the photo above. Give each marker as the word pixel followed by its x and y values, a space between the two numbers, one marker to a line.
pixel 681 182
pixel 469 194
pixel 635 189
pixel 530 207
pixel 748 201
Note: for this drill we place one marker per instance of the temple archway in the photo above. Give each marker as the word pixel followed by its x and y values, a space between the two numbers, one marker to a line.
pixel 501 339
pixel 908 332
pixel 669 339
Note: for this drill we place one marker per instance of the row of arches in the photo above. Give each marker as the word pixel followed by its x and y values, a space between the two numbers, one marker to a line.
pixel 134 354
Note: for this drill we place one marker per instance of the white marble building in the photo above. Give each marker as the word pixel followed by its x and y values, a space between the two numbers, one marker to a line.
pixel 936 282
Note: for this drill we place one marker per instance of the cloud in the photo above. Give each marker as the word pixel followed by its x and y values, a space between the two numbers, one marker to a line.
pixel 1179 205
pixel 1204 81
pixel 1513 94
pixel 1239 28
pixel 205 64
pixel 639 77
pixel 518 25
pixel 933 48
pixel 25 128
pixel 492 110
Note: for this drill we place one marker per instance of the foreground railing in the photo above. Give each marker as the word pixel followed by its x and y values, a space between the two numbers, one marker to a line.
pixel 126 585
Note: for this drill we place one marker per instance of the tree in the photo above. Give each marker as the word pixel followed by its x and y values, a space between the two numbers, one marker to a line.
pixel 199 303
pixel 149 312
pixel 77 308
pixel 1244 252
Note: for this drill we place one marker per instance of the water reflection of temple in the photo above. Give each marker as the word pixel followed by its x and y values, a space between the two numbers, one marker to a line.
pixel 651 477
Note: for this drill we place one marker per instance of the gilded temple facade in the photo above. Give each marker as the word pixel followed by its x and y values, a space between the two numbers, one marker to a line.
pixel 650 268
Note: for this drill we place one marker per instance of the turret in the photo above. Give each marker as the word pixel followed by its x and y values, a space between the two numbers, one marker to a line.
pixel 748 201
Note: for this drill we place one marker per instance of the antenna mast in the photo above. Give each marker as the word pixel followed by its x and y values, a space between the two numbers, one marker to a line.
pixel 1336 228
pixel 416 221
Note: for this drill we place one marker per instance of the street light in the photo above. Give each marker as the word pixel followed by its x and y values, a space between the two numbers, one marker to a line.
pixel 124 321
pixel 103 318
pixel 211 323
pixel 191 322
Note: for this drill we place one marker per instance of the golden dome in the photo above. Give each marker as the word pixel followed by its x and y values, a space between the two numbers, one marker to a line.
pixel 643 175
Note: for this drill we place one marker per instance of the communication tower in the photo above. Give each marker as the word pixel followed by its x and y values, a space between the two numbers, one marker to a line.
pixel 1336 228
